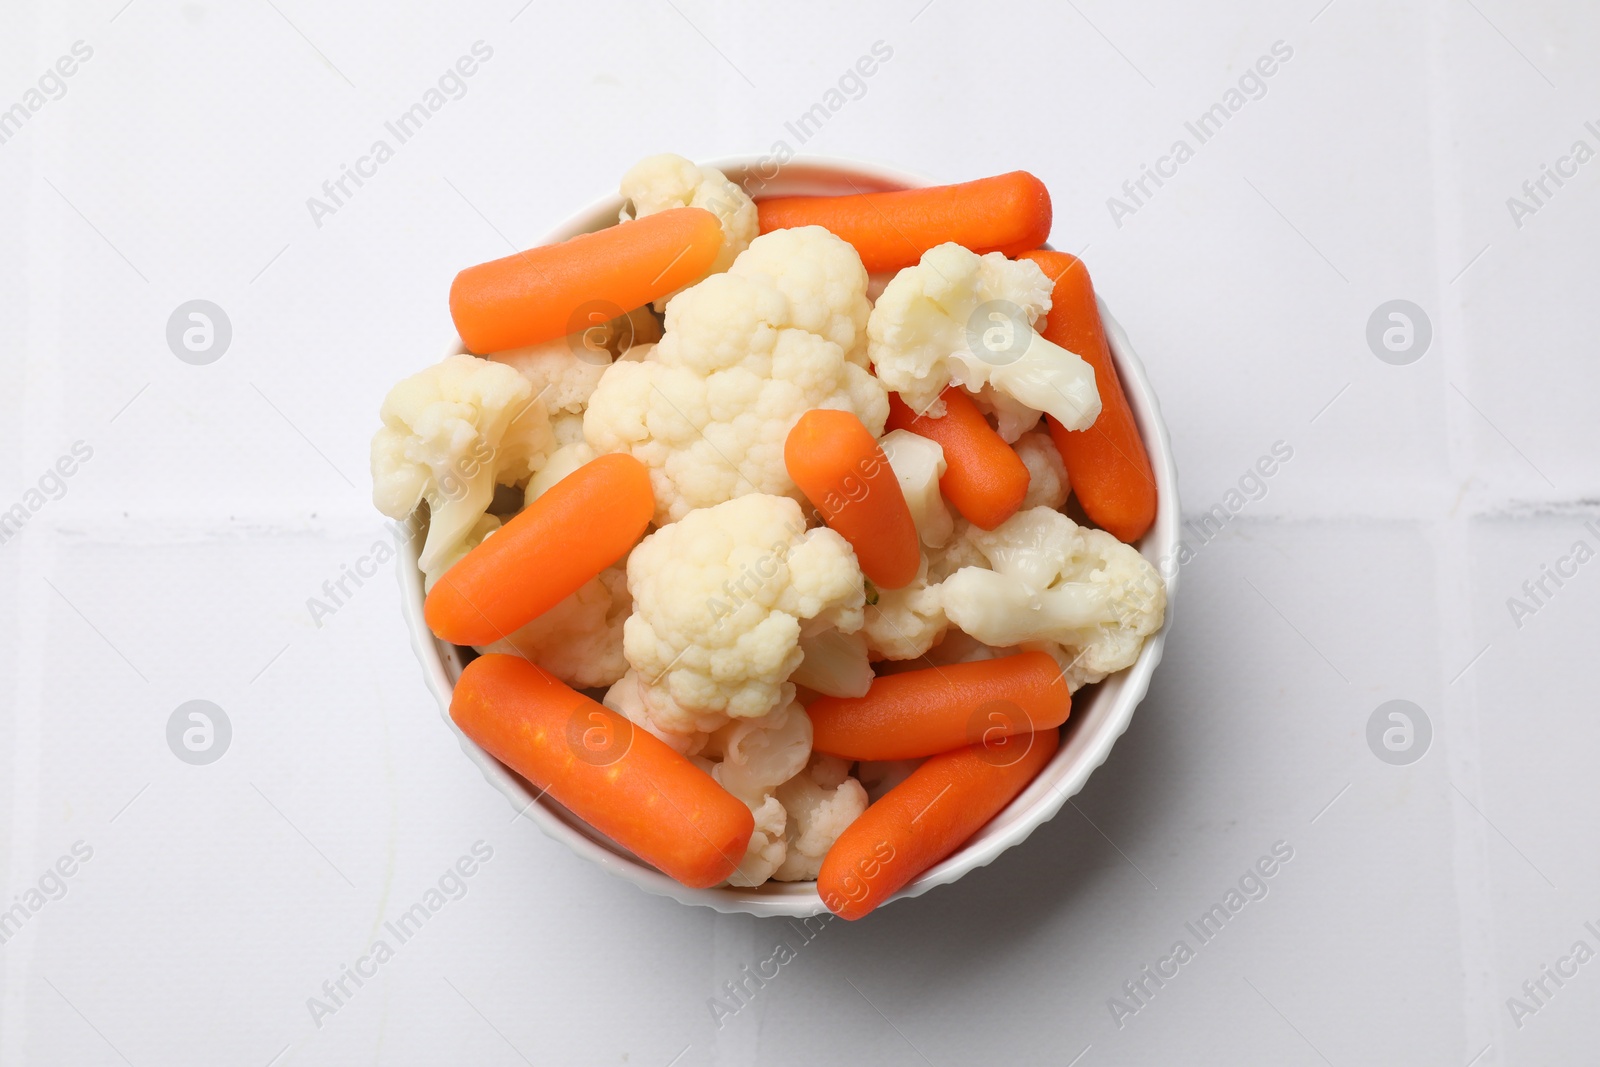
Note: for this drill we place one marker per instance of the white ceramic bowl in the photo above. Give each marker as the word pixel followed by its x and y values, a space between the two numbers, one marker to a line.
pixel 1097 720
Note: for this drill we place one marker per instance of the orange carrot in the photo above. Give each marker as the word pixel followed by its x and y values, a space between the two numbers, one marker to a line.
pixel 622 781
pixel 839 466
pixel 984 477
pixel 936 709
pixel 538 295
pixel 1107 463
pixel 925 818
pixel 579 527
pixel 1008 213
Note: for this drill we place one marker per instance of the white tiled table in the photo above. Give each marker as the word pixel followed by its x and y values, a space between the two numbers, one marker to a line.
pixel 177 563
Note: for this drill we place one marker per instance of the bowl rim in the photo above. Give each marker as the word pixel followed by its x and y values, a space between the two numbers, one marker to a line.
pixel 1110 706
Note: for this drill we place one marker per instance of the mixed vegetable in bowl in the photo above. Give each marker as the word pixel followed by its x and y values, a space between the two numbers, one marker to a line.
pixel 765 555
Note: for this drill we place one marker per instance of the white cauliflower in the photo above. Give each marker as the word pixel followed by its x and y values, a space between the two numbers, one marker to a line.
pixel 658 183
pixel 562 462
pixel 821 801
pixel 709 410
pixel 719 600
pixel 626 698
pixel 565 371
pixel 450 434
pixel 768 846
pixel 1012 418
pixel 835 664
pixel 1070 590
pixel 965 318
pixel 918 464
pixel 567 428
pixel 1048 486
pixel 561 378
pixel 580 639
pixel 757 757
pixel 823 278
pixel 956 553
pixel 905 623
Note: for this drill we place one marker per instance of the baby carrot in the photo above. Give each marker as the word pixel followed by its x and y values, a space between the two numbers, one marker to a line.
pixel 1008 213
pixel 925 818
pixel 579 527
pixel 936 709
pixel 984 478
pixel 620 780
pixel 533 296
pixel 1107 463
pixel 838 465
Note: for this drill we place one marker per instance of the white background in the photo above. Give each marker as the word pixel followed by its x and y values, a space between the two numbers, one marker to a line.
pixel 178 564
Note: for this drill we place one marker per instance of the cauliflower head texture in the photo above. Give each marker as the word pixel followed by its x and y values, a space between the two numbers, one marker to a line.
pixel 823 278
pixel 720 598
pixel 906 622
pixel 801 801
pixel 450 434
pixel 820 803
pixel 710 407
pixel 565 371
pixel 960 317
pixel 758 755
pixel 626 698
pixel 580 639
pixel 1048 485
pixel 661 182
pixel 1075 592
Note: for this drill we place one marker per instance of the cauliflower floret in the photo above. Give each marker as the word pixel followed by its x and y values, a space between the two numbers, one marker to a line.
pixel 918 464
pixel 821 802
pixel 768 845
pixel 1048 486
pixel 562 379
pixel 450 434
pixel 958 316
pixel 580 639
pixel 905 623
pixel 562 462
pixel 956 553
pixel 567 428
pixel 626 698
pixel 658 183
pixel 954 647
pixel 823 278
pixel 565 371
pixel 757 757
pixel 719 598
pixel 1012 418
pixel 710 408
pixel 1076 592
